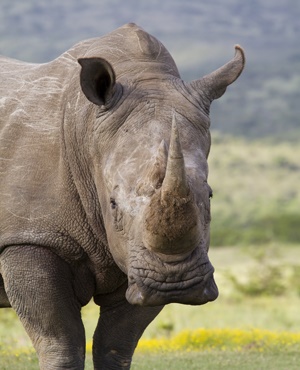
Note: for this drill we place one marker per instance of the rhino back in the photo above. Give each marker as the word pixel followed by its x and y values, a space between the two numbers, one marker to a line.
pixel 29 140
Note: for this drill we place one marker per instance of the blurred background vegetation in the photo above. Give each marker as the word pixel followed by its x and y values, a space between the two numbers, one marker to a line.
pixel 256 191
pixel 255 156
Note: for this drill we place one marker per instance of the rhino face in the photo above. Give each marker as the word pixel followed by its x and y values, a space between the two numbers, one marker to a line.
pixel 150 147
pixel 159 213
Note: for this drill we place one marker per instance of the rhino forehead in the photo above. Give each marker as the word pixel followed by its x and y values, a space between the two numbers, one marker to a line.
pixel 132 44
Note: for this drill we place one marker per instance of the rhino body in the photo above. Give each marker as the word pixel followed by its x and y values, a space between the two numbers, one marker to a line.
pixel 104 194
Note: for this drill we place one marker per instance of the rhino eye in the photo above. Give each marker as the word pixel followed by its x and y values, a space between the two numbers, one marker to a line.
pixel 113 203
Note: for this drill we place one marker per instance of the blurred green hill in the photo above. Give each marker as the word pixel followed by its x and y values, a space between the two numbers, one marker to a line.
pixel 256 191
pixel 199 34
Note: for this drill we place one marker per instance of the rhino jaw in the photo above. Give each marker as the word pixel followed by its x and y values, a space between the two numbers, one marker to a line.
pixel 159 283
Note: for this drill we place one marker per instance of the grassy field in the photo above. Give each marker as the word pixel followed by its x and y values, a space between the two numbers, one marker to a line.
pixel 218 360
pixel 182 360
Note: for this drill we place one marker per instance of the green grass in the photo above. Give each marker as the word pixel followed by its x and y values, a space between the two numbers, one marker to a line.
pixel 184 360
pixel 26 361
pixel 217 360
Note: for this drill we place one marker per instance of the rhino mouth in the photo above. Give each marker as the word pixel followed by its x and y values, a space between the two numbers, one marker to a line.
pixel 153 282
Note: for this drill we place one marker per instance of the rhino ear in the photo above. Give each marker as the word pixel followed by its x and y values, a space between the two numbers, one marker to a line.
pixel 214 84
pixel 97 79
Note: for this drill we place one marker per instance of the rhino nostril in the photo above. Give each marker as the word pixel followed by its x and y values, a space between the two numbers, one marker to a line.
pixel 113 203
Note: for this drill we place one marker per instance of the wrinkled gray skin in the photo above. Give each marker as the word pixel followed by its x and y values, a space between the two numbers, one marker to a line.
pixel 103 169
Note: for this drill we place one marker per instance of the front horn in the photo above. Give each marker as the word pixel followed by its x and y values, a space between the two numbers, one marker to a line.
pixel 175 181
pixel 171 220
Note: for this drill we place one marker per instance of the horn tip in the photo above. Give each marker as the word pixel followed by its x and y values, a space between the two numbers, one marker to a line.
pixel 240 53
pixel 174 125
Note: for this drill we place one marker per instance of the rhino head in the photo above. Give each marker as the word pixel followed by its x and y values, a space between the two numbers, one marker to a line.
pixel 150 146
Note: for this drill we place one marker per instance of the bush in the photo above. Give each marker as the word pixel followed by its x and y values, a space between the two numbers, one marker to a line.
pixel 263 278
pixel 267 280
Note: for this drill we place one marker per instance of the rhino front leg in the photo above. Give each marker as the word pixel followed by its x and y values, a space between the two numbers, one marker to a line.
pixel 4 302
pixel 119 329
pixel 39 287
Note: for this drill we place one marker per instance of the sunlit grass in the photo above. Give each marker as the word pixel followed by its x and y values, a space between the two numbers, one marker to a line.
pixel 202 340
pixel 224 340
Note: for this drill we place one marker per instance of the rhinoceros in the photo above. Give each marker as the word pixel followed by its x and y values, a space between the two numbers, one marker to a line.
pixel 104 193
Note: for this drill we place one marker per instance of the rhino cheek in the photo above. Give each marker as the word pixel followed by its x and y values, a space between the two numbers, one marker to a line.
pixel 116 247
pixel 123 231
